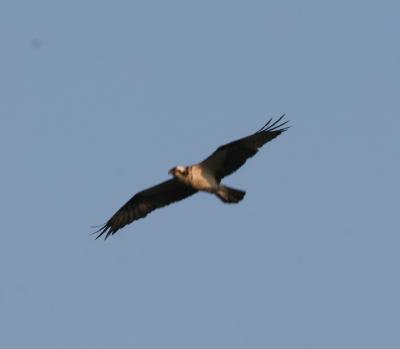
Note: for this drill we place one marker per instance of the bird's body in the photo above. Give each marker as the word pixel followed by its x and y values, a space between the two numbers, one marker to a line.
pixel 205 176
pixel 202 178
pixel 198 177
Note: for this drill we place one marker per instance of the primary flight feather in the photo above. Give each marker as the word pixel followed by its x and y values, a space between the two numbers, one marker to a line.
pixel 205 176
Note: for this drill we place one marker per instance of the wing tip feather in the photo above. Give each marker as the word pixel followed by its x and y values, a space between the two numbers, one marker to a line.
pixel 104 229
pixel 275 126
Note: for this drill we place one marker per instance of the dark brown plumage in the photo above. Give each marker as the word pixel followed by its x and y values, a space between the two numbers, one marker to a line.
pixel 230 157
pixel 142 203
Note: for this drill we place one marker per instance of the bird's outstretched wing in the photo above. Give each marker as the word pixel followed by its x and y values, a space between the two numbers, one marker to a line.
pixel 142 203
pixel 230 157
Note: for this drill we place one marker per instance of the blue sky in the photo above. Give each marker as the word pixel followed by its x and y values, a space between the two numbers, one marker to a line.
pixel 99 99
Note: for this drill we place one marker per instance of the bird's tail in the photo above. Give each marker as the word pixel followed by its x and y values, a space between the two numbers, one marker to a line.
pixel 230 195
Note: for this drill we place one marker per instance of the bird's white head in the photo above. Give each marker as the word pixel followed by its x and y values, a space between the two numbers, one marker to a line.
pixel 179 172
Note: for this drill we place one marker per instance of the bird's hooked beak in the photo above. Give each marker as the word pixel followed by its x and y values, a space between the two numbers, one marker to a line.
pixel 171 171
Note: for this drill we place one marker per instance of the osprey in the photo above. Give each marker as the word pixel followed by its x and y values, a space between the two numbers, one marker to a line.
pixel 205 176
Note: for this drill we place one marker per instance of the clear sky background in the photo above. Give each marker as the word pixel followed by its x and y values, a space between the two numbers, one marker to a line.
pixel 100 98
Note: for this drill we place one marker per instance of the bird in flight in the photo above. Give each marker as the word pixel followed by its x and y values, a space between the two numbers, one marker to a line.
pixel 205 176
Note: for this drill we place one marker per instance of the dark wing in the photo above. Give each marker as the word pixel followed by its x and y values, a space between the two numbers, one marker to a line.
pixel 142 203
pixel 230 157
